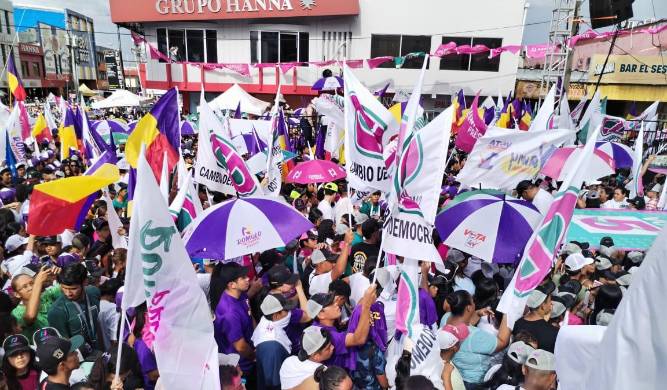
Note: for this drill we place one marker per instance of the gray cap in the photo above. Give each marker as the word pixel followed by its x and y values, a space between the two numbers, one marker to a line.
pixel 609 251
pixel 542 360
pixel 557 309
pixel 231 359
pixel 519 351
pixel 624 280
pixel 602 263
pixel 312 341
pixel 455 256
pixel 319 256
pixel 360 218
pixel 318 302
pixel 274 303
pixel 490 269
pixel 604 318
pixel 569 248
pixel 535 299
pixel 636 257
pixel 341 228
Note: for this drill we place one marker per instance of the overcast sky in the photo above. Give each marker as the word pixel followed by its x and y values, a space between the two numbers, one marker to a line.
pixel 539 14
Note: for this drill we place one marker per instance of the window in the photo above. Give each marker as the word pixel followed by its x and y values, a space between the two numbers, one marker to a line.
pixel 475 62
pixel 211 46
pixel 195 46
pixel 36 70
pixel 162 41
pixel 9 27
pixel 278 46
pixel 24 69
pixel 336 45
pixel 176 40
pixel 400 45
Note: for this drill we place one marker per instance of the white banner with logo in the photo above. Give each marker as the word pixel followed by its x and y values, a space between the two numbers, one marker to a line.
pixel 425 360
pixel 407 234
pixel 207 170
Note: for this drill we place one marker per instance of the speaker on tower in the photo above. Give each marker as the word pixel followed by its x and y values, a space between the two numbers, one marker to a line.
pixel 609 12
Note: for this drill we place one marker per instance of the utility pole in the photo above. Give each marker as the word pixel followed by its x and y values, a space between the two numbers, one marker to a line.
pixel 120 54
pixel 568 64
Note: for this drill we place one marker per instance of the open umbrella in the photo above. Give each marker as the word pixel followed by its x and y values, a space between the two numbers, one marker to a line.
pixel 242 226
pixel 488 224
pixel 316 171
pixel 564 160
pixel 188 128
pixel 622 154
pixel 328 84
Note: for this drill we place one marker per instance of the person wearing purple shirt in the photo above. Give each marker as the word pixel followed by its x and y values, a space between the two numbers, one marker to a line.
pixel 369 373
pixel 149 370
pixel 325 312
pixel 428 315
pixel 233 325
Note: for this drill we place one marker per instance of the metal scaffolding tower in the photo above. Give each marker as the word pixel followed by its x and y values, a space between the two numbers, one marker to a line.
pixel 558 61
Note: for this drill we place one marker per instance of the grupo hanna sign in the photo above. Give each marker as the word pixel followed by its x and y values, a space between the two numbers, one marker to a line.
pixel 123 11
pixel 628 69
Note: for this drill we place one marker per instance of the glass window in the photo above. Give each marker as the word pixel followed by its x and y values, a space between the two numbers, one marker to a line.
pixel 415 44
pixel 386 45
pixel 9 27
pixel 304 47
pixel 36 71
pixel 176 39
pixel 211 46
pixel 269 42
pixel 454 61
pixel 255 55
pixel 24 69
pixel 2 52
pixel 195 45
pixel 481 61
pixel 289 47
pixel 162 41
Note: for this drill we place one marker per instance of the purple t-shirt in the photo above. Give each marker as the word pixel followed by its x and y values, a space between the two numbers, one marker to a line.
pixel 342 356
pixel 427 312
pixel 232 323
pixel 147 362
pixel 378 329
pixel 294 330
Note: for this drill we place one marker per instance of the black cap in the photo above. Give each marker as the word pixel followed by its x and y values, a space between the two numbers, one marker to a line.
pixel 523 186
pixel 571 286
pixel 50 240
pixel 280 274
pixel 566 299
pixel 232 271
pixel 299 204
pixel 54 351
pixel 607 241
pixel 15 343
pixel 638 202
pixel 582 245
pixel 547 287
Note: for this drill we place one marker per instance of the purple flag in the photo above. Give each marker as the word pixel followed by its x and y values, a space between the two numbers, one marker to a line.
pixel 237 113
pixel 319 143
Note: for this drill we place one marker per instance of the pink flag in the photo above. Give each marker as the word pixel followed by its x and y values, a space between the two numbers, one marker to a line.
pixel 510 48
pixel 407 300
pixel 322 63
pixel 539 51
pixel 590 34
pixel 264 65
pixel 467 49
pixel 24 120
pixel 654 30
pixel 355 64
pixel 286 67
pixel 156 54
pixel 377 61
pixel 242 69
pixel 445 49
pixel 472 129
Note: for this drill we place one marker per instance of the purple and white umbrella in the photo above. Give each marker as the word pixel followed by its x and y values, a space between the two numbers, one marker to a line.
pixel 328 84
pixel 488 224
pixel 564 160
pixel 188 128
pixel 622 154
pixel 242 226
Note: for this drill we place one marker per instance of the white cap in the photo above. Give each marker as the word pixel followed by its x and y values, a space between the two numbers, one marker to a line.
pixel 577 261
pixel 14 242
pixel 446 339
pixel 541 360
pixel 231 359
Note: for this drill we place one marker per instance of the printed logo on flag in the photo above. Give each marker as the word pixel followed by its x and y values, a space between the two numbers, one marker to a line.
pixel 228 158
pixel 248 237
pixel 368 130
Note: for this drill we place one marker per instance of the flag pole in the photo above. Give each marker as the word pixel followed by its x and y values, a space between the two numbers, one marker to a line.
pixel 120 341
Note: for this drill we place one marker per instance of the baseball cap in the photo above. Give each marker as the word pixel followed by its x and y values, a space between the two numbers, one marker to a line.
pixel 607 241
pixel 51 240
pixel 54 351
pixel 656 188
pixel 321 255
pixel 547 287
pixel 341 229
pixel 231 271
pixel 65 259
pixel 636 257
pixel 519 352
pixel 360 218
pixel 569 248
pixel 542 360
pixel 623 278
pixel 279 274
pixel 490 269
pixel 273 303
pixel 14 242
pixel 571 286
pixel 310 235
pixel 318 302
pixel 638 202
pixel 602 263
pixel 557 308
pixel 313 339
pixel 446 340
pixel 455 256
pixel 609 251
pixel 331 187
pixel 535 299
pixel 299 204
pixel 15 343
pixel 459 331
pixel 604 317
pixel 231 359
pixel 577 261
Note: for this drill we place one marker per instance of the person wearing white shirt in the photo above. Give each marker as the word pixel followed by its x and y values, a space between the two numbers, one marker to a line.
pixel 325 206
pixel 328 266
pixel 540 198
pixel 297 371
pixel 343 206
pixel 618 201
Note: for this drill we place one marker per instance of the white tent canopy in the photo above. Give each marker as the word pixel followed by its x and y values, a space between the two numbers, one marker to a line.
pixel 119 98
pixel 230 99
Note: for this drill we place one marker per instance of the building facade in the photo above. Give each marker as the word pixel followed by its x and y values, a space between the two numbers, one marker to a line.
pixel 82 32
pixel 7 41
pixel 284 31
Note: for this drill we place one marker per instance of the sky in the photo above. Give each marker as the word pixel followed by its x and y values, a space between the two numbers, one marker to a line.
pixel 536 31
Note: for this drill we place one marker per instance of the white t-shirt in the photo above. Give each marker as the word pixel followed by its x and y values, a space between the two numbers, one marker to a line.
pixel 293 372
pixel 327 210
pixel 542 201
pixel 109 320
pixel 343 206
pixel 358 284
pixel 319 283
pixel 389 302
pixel 612 204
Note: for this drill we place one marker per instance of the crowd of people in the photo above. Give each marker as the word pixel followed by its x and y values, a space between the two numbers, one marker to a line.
pixel 319 313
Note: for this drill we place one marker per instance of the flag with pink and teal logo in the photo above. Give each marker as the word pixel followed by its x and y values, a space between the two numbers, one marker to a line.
pixel 186 205
pixel 542 248
pixel 407 301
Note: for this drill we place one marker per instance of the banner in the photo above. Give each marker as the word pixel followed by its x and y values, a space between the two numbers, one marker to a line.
pixel 504 157
pixel 631 230
pixel 207 169
pixel 369 126
pixel 409 235
pixel 425 359
pixel 179 325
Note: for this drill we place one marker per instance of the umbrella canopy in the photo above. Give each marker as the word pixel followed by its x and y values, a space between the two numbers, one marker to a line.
pixel 564 160
pixel 328 84
pixel 235 96
pixel 488 224
pixel 242 226
pixel 188 128
pixel 119 98
pixel 622 154
pixel 316 171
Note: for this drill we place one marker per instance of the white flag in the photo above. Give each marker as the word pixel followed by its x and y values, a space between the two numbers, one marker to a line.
pixel 504 157
pixel 544 118
pixel 274 163
pixel 115 223
pixel 636 186
pixel 565 119
pixel 159 272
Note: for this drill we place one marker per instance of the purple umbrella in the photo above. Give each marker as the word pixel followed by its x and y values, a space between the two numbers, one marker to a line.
pixel 242 226
pixel 488 224
pixel 187 128
pixel 328 84
pixel 621 154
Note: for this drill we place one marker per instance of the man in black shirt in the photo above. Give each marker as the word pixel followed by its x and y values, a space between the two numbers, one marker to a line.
pixel 57 357
pixel 370 247
pixel 539 308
